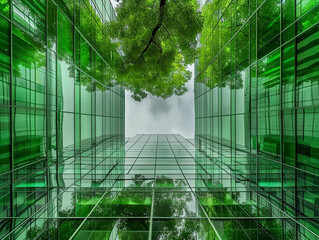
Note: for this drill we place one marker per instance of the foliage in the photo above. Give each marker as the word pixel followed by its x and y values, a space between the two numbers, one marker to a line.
pixel 132 201
pixel 4 7
pixel 215 36
pixel 156 38
pixel 228 45
pixel 218 201
pixel 158 41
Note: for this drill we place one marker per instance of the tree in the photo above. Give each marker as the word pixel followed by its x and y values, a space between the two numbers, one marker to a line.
pixel 158 42
pixel 147 50
pixel 133 201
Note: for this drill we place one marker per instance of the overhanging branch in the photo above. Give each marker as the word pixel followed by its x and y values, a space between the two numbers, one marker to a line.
pixel 157 27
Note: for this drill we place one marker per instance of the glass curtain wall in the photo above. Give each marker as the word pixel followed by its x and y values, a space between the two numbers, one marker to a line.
pixel 257 116
pixel 61 118
pixel 155 198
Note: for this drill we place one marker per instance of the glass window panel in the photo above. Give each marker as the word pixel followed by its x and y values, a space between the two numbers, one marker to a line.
pixel 269 82
pixel 29 72
pixel 30 16
pixel 52 25
pixel 86 81
pixel 5 7
pixel 268 27
pixel 66 76
pixel 57 154
pixel 4 61
pixel 65 37
pixel 5 140
pixel 307 135
pixel 307 68
pixel 67 7
pixel 30 132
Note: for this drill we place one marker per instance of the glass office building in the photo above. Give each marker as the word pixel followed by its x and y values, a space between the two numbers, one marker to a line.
pixel 61 118
pixel 257 116
pixel 67 171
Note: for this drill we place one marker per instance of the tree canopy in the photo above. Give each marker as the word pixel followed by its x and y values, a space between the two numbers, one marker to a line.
pixel 146 50
pixel 158 42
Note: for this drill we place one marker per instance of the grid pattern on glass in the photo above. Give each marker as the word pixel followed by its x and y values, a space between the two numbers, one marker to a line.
pixel 164 188
pixel 256 107
pixel 61 120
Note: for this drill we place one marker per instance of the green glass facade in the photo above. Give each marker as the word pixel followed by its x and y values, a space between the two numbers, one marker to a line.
pixel 66 171
pixel 154 197
pixel 257 117
pixel 61 119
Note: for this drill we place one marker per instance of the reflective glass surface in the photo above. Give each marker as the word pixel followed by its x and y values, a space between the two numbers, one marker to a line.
pixel 67 171
pixel 256 107
pixel 61 123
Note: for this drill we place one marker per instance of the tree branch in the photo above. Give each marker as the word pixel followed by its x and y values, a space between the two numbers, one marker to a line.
pixel 168 33
pixel 157 27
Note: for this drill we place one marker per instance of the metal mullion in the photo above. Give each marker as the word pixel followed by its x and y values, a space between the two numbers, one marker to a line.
pixel 212 218
pixel 22 107
pixel 232 118
pixel 74 94
pixel 281 119
pixel 249 89
pixel 256 123
pixel 295 122
pixel 93 115
pixel 57 119
pixel 12 112
pixel 156 157
pixel 150 231
pixel 220 98
pixel 77 132
pixel 48 124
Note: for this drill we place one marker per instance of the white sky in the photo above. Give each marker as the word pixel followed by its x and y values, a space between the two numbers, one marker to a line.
pixel 155 115
pixel 114 3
